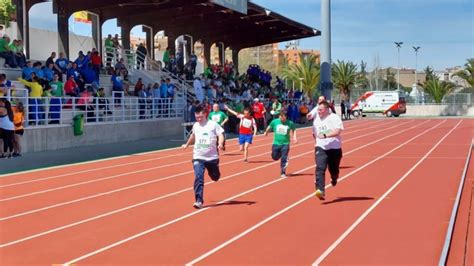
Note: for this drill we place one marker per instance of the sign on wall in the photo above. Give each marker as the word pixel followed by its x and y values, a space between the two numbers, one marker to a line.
pixel 237 5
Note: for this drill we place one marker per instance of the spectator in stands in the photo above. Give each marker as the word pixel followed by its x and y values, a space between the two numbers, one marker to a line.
pixel 71 88
pixel 57 92
pixel 48 72
pixel 36 90
pixel 27 70
pixel 259 114
pixel 18 120
pixel 109 51
pixel 117 45
pixel 166 58
pixel 50 60
pixel 6 52
pixel 276 108
pixel 198 90
pixel 96 63
pixel 62 62
pixel 74 71
pixel 82 61
pixel 171 90
pixel 7 128
pixel 84 103
pixel 141 55
pixel 117 86
pixel 293 112
pixel 343 110
pixel 303 112
pixel 17 48
pixel 89 75
pixel 5 85
pixel 120 66
pixel 138 86
pixel 101 101
pixel 142 100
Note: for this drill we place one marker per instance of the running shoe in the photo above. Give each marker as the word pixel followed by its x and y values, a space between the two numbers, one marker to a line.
pixel 197 205
pixel 320 194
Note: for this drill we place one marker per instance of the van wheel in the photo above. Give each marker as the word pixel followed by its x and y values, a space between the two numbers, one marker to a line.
pixel 397 115
pixel 356 113
pixel 389 113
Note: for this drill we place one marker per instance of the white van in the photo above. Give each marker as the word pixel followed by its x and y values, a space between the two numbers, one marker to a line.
pixel 388 103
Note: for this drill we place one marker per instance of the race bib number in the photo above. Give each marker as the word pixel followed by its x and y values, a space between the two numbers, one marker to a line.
pixel 323 130
pixel 216 118
pixel 204 141
pixel 282 130
pixel 247 123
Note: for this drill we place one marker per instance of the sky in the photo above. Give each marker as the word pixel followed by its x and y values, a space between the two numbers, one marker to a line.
pixel 363 29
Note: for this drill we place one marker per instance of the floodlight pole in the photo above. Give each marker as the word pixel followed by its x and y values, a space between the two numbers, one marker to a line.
pixel 326 83
pixel 399 45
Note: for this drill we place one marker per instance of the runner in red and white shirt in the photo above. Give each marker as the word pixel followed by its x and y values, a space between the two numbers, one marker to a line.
pixel 259 114
pixel 247 129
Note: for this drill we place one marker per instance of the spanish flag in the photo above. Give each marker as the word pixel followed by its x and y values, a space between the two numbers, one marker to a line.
pixel 82 16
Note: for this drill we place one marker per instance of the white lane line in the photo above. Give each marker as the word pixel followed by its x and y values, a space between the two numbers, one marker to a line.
pixel 128 173
pixel 184 153
pixel 161 197
pixel 268 219
pixel 226 200
pixel 151 182
pixel 368 211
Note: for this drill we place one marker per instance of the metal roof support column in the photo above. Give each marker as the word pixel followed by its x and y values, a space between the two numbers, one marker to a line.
pixel 221 49
pixel 235 58
pixel 22 21
pixel 207 53
pixel 96 31
pixel 63 30
pixel 171 42
pixel 150 40
pixel 326 83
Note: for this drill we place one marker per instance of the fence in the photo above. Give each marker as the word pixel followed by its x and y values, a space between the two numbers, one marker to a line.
pixel 62 110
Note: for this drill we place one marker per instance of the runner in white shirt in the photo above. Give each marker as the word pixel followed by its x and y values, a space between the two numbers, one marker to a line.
pixel 328 152
pixel 207 136
pixel 313 114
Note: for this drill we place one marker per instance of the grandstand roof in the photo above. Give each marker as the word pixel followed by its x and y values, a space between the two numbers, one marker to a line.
pixel 199 18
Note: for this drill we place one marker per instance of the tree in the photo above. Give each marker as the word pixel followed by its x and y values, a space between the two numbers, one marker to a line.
pixel 430 73
pixel 362 82
pixel 344 75
pixel 438 89
pixel 468 73
pixel 306 73
pixel 7 10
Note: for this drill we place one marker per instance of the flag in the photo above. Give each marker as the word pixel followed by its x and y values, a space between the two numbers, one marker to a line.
pixel 82 16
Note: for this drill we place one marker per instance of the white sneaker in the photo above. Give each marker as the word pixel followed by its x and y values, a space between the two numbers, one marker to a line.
pixel 283 176
pixel 197 205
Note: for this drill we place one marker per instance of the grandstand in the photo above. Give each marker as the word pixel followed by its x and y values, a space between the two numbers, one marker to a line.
pixel 120 108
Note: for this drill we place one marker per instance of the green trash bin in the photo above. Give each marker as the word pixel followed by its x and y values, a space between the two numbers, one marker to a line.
pixel 78 124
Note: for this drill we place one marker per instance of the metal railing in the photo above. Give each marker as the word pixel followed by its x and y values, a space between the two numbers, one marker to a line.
pixel 61 110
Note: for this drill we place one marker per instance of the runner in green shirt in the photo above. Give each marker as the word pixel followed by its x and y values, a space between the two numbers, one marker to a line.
pixel 282 128
pixel 219 117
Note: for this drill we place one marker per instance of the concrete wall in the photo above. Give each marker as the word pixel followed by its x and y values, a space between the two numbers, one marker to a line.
pixel 62 136
pixel 440 110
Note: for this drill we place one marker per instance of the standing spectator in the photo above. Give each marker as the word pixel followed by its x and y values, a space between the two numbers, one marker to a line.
pixel 142 100
pixel 259 114
pixel 303 111
pixel 96 63
pixel 166 58
pixel 198 89
pixel 57 92
pixel 35 109
pixel 141 55
pixel 343 110
pixel 18 120
pixel 7 128
pixel 109 51
pixel 62 62
pixel 117 87
pixel 5 85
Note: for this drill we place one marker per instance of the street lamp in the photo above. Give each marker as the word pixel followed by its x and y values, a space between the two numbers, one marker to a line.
pixel 399 45
pixel 416 64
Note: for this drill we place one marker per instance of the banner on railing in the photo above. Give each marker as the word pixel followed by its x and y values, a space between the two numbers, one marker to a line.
pixel 82 16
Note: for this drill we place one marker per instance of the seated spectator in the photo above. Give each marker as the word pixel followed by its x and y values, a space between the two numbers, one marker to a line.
pixel 27 70
pixel 62 63
pixel 5 52
pixel 117 86
pixel 74 71
pixel 17 48
pixel 101 102
pixel 48 72
pixel 71 88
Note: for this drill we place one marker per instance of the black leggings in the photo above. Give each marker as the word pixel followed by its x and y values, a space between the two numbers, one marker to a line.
pixel 7 137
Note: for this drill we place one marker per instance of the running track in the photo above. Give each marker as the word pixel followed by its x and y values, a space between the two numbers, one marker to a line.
pixel 398 182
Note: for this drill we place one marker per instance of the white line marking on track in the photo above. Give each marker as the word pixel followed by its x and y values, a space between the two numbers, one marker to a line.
pixel 371 208
pixel 199 211
pixel 246 232
pixel 171 194
pixel 155 180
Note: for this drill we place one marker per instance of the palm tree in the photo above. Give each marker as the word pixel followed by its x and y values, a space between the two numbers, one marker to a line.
pixel 438 89
pixel 468 73
pixel 362 81
pixel 344 75
pixel 305 74
pixel 430 73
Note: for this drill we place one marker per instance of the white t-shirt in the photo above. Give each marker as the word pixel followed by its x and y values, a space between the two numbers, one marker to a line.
pixel 324 126
pixel 205 145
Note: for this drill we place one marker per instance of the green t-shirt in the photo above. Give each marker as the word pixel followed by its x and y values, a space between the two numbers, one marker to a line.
pixel 57 88
pixel 3 43
pixel 281 131
pixel 217 117
pixel 109 45
pixel 239 107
